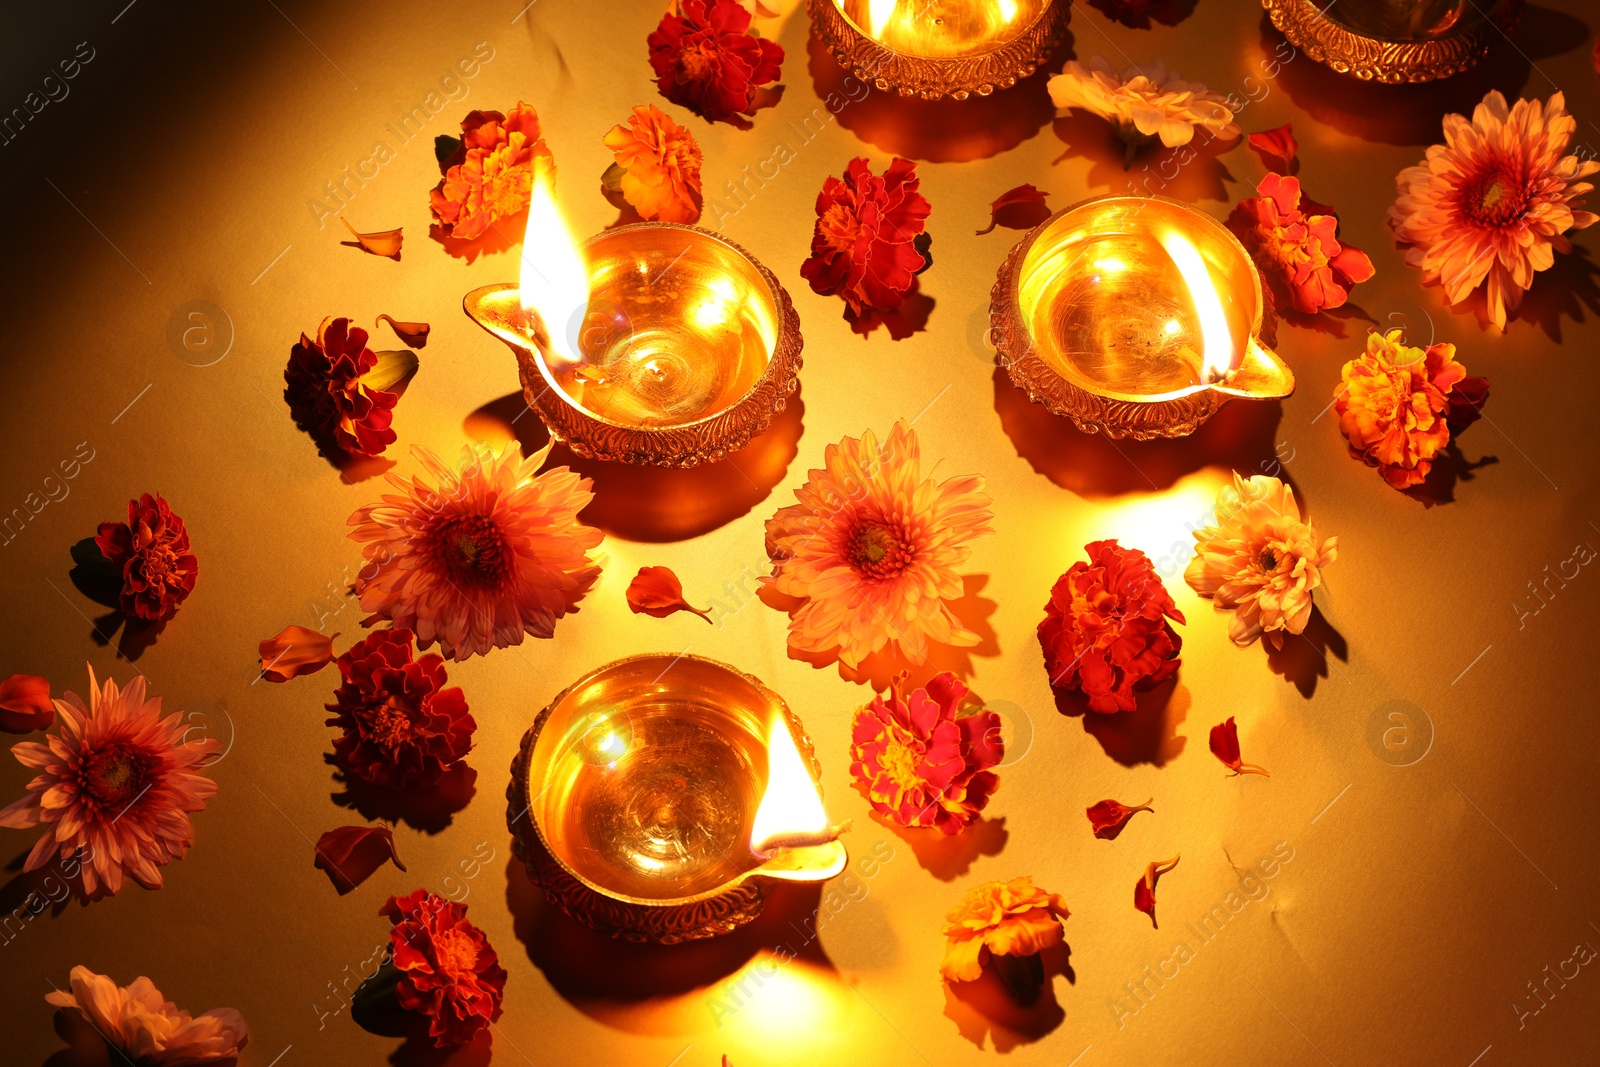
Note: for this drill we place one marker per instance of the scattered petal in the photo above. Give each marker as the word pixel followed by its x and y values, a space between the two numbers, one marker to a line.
pixel 1109 817
pixel 414 334
pixel 25 704
pixel 1225 746
pixel 1021 208
pixel 1144 890
pixel 1466 402
pixel 656 592
pixel 378 242
pixel 294 652
pixel 1277 148
pixel 351 854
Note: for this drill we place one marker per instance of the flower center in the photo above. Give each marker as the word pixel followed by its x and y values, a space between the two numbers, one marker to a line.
pixel 471 549
pixel 1269 560
pixel 697 61
pixel 840 227
pixel 1495 198
pixel 390 724
pixel 878 550
pixel 115 775
pixel 455 952
pixel 900 762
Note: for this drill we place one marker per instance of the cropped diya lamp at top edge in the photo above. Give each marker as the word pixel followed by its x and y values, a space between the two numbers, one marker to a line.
pixel 1396 41
pixel 1133 317
pixel 661 797
pixel 653 343
pixel 938 48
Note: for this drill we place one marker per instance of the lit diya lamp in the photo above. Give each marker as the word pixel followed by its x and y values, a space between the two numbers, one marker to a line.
pixel 660 797
pixel 1133 317
pixel 1396 40
pixel 654 343
pixel 935 48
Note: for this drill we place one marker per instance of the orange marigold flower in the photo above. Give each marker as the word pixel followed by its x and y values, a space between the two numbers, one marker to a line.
pixel 1014 918
pixel 1295 242
pixel 1491 205
pixel 490 175
pixel 1259 561
pixel 660 164
pixel 920 765
pixel 874 550
pixel 1396 404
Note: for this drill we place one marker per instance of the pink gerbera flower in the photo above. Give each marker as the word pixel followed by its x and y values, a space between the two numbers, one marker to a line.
pixel 115 784
pixel 486 554
pixel 146 1027
pixel 1491 205
pixel 875 550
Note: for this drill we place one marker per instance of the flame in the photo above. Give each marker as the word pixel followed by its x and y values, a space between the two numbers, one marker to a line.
pixel 791 806
pixel 1216 357
pixel 555 280
pixel 1008 10
pixel 879 12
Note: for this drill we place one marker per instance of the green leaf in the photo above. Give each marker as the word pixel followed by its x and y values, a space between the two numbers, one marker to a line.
pixel 86 554
pixel 445 146
pixel 391 369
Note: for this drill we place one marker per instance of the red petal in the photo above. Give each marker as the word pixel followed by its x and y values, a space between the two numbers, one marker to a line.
pixel 1276 146
pixel 1109 817
pixel 25 704
pixel 1021 208
pixel 294 652
pixel 1225 746
pixel 656 592
pixel 351 854
pixel 1144 890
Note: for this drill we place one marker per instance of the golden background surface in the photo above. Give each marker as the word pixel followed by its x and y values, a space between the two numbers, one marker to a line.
pixel 1409 906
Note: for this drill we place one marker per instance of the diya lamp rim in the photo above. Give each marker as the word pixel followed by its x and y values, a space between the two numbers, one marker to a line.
pixel 782 356
pixel 523 765
pixel 1392 60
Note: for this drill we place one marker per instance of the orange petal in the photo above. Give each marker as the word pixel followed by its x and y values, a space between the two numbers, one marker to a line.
pixel 351 854
pixel 414 334
pixel 1276 146
pixel 294 652
pixel 378 242
pixel 656 591
pixel 25 704
pixel 1021 208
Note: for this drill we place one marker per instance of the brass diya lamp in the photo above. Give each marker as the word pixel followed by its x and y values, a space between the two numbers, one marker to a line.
pixel 937 48
pixel 659 798
pixel 654 343
pixel 1133 317
pixel 1396 40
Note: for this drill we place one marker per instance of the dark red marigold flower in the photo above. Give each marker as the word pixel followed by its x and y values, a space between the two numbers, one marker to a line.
pixel 151 550
pixel 327 397
pixel 402 728
pixel 862 247
pixel 448 970
pixel 1105 630
pixel 706 58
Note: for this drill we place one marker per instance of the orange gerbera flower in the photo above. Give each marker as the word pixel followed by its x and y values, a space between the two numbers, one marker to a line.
pixel 659 163
pixel 874 550
pixel 1395 405
pixel 1491 205
pixel 490 175
pixel 1014 918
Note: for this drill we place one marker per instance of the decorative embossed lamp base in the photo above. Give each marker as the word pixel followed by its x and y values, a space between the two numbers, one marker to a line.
pixel 1396 41
pixel 937 48
pixel 1093 316
pixel 633 797
pixel 687 349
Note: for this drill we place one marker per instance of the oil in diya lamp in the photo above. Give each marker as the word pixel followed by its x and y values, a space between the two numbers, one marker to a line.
pixel 1396 40
pixel 936 48
pixel 653 343
pixel 660 797
pixel 1133 317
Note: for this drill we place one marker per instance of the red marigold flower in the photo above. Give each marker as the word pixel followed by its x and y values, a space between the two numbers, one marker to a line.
pixel 25 704
pixel 1105 630
pixel 402 728
pixel 920 765
pixel 490 174
pixel 861 247
pixel 326 394
pixel 1108 817
pixel 448 970
pixel 706 58
pixel 1296 245
pixel 151 550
